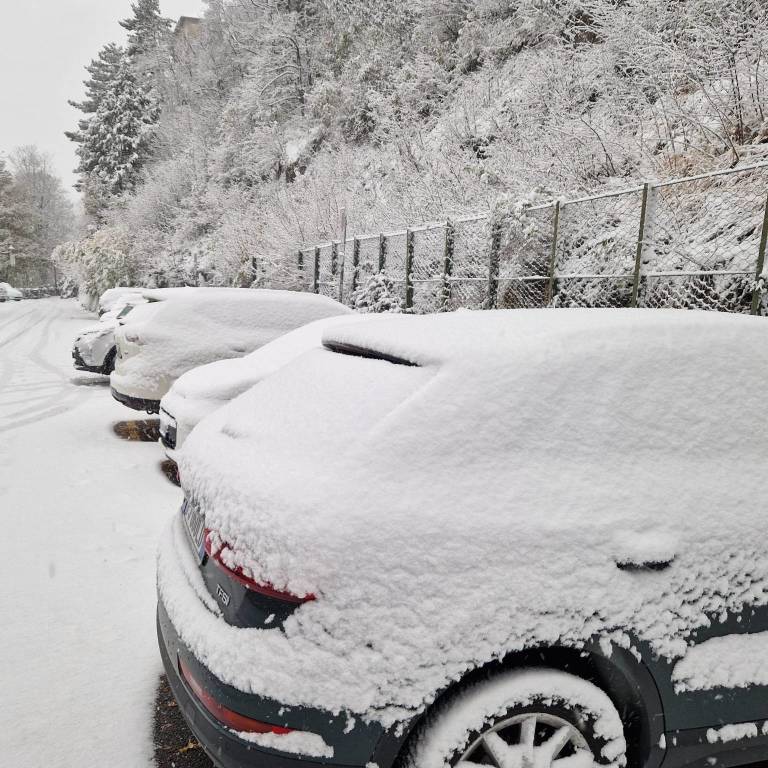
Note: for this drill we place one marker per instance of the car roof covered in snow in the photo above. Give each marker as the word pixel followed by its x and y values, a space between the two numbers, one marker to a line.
pixel 496 335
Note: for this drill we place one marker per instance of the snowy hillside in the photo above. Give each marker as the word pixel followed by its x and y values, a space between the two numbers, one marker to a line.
pixel 252 131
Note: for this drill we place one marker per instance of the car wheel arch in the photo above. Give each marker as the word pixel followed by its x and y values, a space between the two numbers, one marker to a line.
pixel 625 679
pixel 109 361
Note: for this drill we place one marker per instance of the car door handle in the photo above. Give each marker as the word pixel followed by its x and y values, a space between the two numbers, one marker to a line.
pixel 643 565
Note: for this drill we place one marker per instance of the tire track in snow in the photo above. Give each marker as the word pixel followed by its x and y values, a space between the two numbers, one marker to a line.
pixel 55 394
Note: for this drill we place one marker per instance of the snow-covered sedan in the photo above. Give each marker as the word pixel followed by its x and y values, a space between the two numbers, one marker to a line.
pixel 510 538
pixel 202 390
pixel 163 340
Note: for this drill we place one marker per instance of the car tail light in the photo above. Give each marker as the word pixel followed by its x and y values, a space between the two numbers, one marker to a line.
pixel 233 720
pixel 240 576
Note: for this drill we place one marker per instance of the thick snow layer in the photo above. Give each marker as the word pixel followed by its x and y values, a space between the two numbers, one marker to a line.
pixel 485 702
pixel 448 513
pixel 202 390
pixel 81 512
pixel 161 341
pixel 732 661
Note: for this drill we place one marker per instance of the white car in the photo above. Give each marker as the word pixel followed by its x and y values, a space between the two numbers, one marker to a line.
pixel 161 341
pixel 94 348
pixel 202 390
pixel 9 293
pixel 112 297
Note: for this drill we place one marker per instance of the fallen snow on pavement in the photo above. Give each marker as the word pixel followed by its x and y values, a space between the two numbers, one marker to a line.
pixel 81 513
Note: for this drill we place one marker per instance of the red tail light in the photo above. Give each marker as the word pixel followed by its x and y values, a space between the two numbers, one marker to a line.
pixel 233 720
pixel 238 575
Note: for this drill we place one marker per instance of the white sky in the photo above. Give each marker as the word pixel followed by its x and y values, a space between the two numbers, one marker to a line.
pixel 44 45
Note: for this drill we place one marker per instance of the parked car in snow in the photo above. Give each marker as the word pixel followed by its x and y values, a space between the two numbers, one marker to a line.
pixel 112 298
pixel 94 349
pixel 203 390
pixel 504 538
pixel 163 341
pixel 9 293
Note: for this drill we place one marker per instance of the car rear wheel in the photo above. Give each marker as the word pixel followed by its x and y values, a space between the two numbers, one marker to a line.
pixel 531 718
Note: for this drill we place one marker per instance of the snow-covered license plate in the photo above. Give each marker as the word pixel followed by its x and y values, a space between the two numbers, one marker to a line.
pixel 194 523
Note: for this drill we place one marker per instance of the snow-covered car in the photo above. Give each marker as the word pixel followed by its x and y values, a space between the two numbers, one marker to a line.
pixel 114 298
pixel 94 349
pixel 503 538
pixel 9 293
pixel 202 390
pixel 161 341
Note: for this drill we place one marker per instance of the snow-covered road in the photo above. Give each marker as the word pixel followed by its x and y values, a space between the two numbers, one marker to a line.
pixel 81 512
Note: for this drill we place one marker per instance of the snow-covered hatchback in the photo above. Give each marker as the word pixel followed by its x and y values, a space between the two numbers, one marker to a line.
pixel 512 538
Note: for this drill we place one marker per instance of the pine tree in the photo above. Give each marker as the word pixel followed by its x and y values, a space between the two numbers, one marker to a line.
pixel 118 138
pixel 148 31
pixel 103 71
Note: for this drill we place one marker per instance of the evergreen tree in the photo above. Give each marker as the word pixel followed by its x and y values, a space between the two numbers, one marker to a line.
pixel 103 71
pixel 118 138
pixel 148 31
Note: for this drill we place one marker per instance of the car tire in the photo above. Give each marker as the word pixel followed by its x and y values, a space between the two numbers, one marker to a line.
pixel 109 362
pixel 521 717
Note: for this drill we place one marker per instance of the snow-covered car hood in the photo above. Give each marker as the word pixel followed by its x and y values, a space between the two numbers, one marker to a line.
pixel 161 341
pixel 479 499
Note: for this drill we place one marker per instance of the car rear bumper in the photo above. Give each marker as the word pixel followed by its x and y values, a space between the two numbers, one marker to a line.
pixel 137 403
pixel 227 750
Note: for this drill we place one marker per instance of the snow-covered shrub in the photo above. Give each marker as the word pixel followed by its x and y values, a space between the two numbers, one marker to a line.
pixel 100 261
pixel 378 294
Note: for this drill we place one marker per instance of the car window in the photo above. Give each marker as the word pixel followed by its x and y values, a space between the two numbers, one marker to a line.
pixel 125 310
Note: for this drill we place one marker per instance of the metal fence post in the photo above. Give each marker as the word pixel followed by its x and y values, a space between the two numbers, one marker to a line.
pixel 551 275
pixel 450 232
pixel 355 263
pixel 493 263
pixel 408 269
pixel 382 252
pixel 316 272
pixel 334 258
pixel 647 191
pixel 758 289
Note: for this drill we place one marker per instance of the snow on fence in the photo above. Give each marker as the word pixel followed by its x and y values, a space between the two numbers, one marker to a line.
pixel 696 242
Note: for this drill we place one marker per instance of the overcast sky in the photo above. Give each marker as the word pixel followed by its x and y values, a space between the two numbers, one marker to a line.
pixel 44 45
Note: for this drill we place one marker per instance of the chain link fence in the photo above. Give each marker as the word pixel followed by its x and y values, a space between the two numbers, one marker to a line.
pixel 693 243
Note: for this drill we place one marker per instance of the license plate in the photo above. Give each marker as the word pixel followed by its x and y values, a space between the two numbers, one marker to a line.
pixel 194 523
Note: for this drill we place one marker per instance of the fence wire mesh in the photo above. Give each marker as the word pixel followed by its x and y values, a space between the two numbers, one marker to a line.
pixel 693 243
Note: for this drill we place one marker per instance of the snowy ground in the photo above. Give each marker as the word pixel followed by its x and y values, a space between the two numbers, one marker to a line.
pixel 81 513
